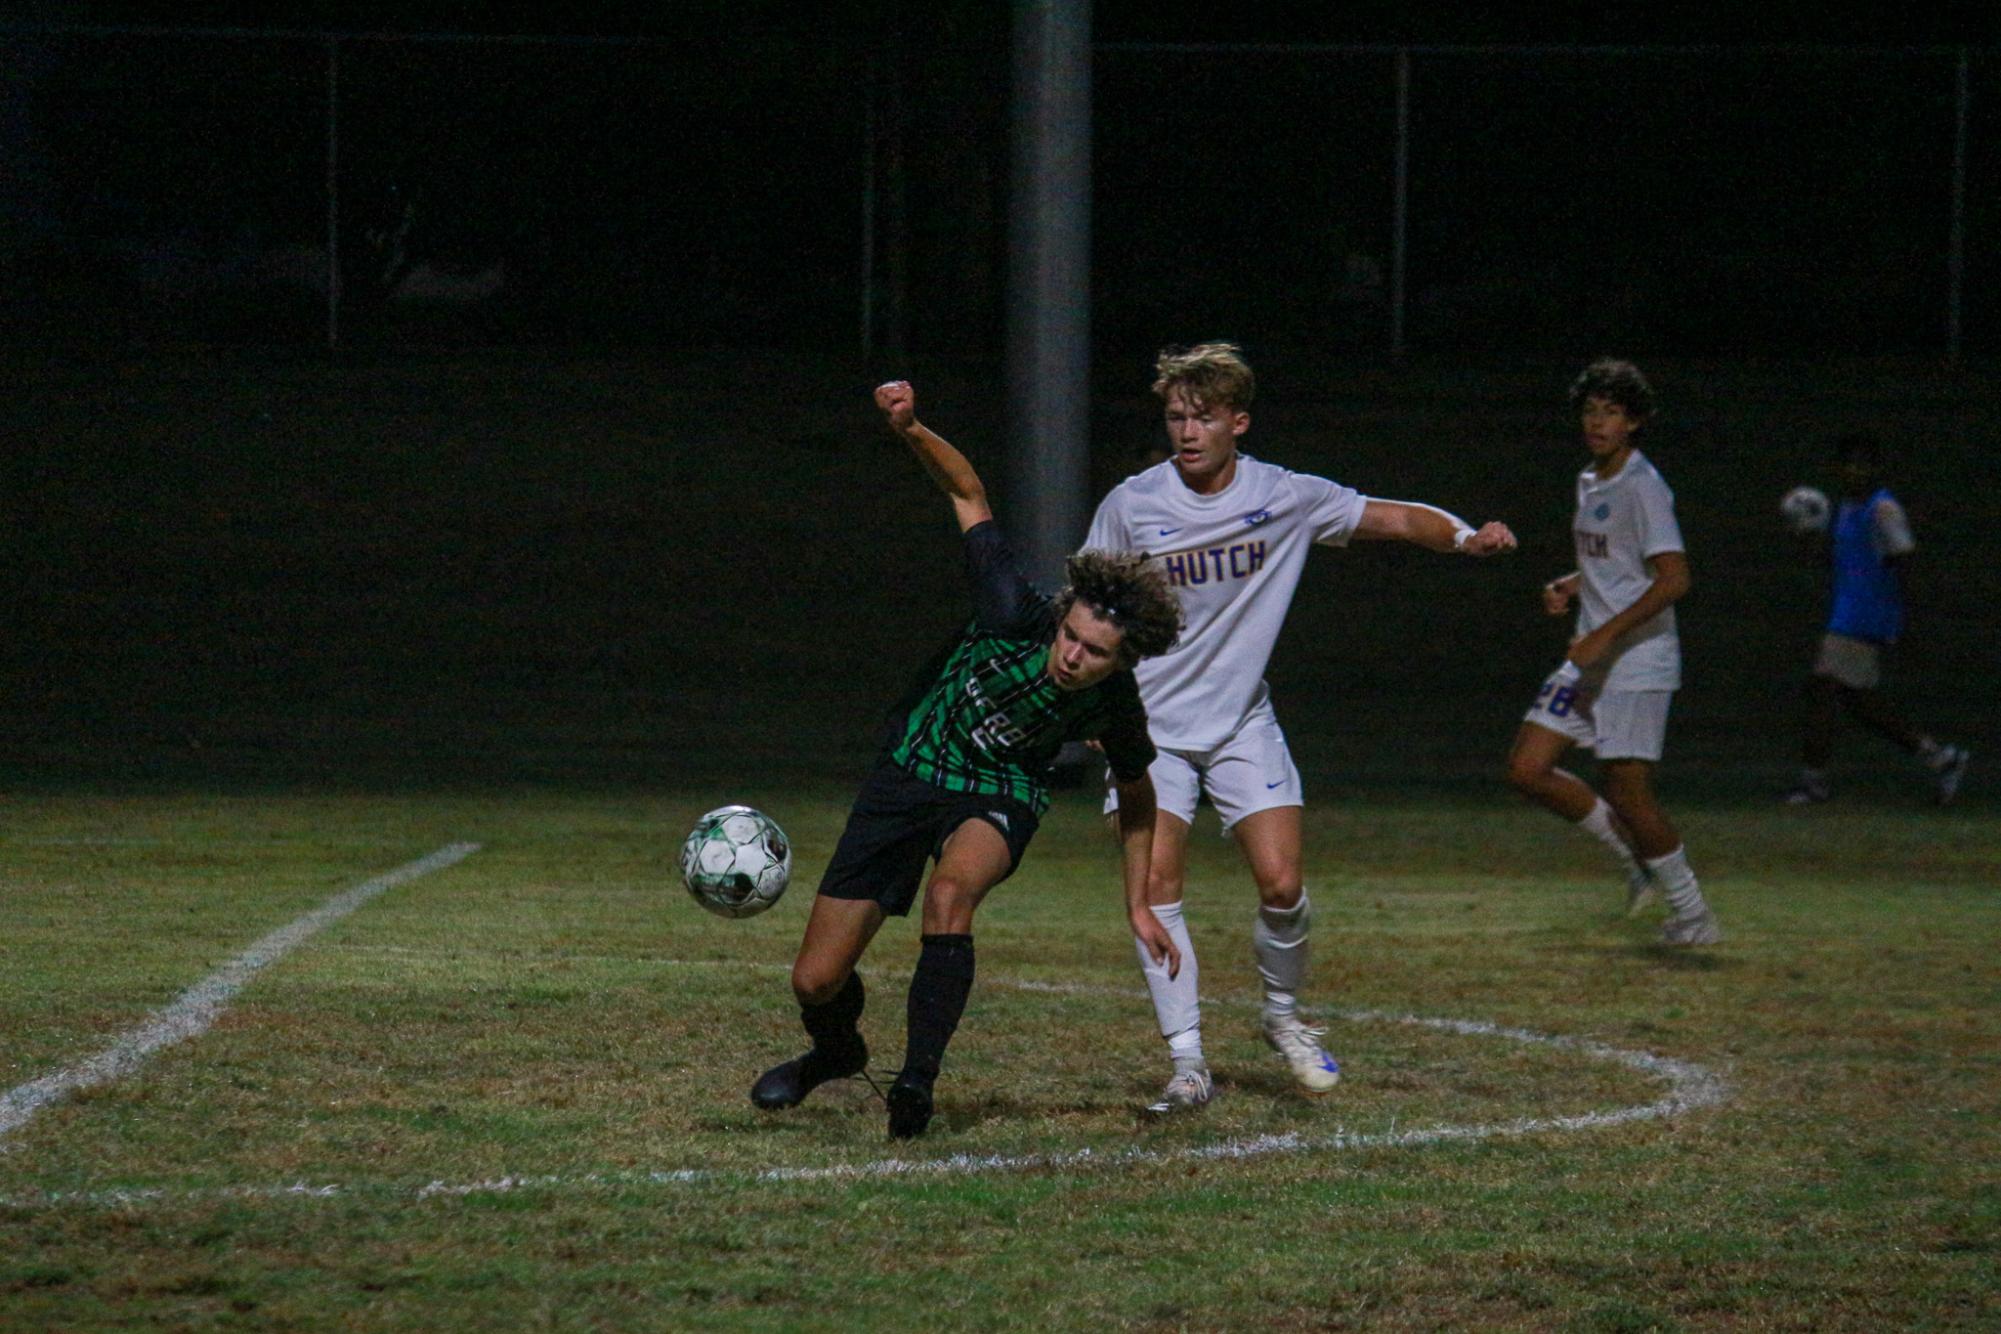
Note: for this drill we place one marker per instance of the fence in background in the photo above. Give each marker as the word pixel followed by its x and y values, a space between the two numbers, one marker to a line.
pixel 312 188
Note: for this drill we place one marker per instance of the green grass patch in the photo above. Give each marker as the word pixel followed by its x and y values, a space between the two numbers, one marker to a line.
pixel 554 1012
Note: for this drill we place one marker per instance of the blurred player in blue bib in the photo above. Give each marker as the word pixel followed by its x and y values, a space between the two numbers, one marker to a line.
pixel 1869 539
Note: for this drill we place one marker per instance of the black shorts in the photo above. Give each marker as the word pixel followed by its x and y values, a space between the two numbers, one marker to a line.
pixel 898 823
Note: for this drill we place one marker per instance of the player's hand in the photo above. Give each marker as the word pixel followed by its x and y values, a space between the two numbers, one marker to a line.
pixel 1556 595
pixel 1492 539
pixel 898 402
pixel 1154 939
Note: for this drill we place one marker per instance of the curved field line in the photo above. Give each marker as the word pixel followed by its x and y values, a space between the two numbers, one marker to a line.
pixel 1689 1088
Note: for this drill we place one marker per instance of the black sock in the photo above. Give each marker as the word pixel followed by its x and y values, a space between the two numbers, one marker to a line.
pixel 832 1026
pixel 938 994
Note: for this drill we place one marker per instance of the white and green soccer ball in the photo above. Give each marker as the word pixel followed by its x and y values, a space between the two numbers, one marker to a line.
pixel 736 861
pixel 1806 509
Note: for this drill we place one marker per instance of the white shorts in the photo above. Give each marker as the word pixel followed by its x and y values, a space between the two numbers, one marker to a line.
pixel 1617 724
pixel 1855 663
pixel 1249 771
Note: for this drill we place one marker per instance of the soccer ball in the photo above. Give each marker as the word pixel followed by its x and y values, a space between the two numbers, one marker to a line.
pixel 736 861
pixel 1805 509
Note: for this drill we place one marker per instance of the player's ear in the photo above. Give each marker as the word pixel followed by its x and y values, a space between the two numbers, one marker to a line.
pixel 1240 421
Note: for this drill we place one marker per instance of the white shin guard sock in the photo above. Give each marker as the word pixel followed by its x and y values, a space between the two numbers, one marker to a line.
pixel 1279 944
pixel 1601 825
pixel 1176 1000
pixel 1677 880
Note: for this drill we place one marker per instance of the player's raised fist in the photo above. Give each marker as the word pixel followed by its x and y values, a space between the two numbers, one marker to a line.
pixel 898 402
pixel 1491 540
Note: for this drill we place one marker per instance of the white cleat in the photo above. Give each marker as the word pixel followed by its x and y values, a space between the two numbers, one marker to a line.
pixel 1316 1071
pixel 1189 1088
pixel 1696 928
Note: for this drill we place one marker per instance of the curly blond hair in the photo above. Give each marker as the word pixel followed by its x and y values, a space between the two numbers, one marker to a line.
pixel 1129 589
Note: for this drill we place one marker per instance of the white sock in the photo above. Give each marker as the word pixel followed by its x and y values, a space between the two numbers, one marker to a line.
pixel 1677 881
pixel 1601 825
pixel 1176 1000
pixel 1279 944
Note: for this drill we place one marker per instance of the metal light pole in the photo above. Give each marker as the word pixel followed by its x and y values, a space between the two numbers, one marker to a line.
pixel 1049 285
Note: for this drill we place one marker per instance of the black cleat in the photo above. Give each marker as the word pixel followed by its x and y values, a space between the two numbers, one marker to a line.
pixel 909 1106
pixel 787 1085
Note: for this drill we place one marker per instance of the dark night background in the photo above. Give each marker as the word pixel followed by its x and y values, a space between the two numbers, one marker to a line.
pixel 578 482
pixel 702 181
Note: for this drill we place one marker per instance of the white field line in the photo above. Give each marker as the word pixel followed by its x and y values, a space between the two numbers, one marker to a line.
pixel 1690 1088
pixel 199 1006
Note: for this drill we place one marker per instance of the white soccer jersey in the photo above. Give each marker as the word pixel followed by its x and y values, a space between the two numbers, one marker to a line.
pixel 1235 558
pixel 1620 523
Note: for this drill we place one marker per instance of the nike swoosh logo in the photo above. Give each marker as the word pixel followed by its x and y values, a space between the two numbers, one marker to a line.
pixel 1270 786
pixel 1169 532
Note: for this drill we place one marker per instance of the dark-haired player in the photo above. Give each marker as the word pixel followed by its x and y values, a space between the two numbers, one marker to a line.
pixel 963 780
pixel 1612 693
pixel 1869 539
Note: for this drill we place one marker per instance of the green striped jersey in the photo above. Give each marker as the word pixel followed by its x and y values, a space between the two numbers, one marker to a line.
pixel 988 718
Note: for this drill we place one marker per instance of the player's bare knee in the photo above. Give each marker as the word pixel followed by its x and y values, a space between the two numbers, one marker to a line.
pixel 1527 775
pixel 948 906
pixel 1281 892
pixel 1164 886
pixel 815 982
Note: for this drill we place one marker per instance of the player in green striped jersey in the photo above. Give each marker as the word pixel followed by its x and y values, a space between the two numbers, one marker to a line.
pixel 963 779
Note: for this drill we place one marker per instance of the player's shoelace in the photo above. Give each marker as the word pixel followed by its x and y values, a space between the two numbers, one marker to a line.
pixel 1298 1041
pixel 1188 1088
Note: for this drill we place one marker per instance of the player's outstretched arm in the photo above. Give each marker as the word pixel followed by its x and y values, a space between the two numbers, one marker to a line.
pixel 1432 528
pixel 1136 817
pixel 948 467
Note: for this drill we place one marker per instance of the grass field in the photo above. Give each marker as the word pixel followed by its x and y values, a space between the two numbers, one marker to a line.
pixel 511 1093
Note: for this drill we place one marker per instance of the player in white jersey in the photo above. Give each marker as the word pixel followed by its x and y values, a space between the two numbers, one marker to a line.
pixel 1233 534
pixel 1612 693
